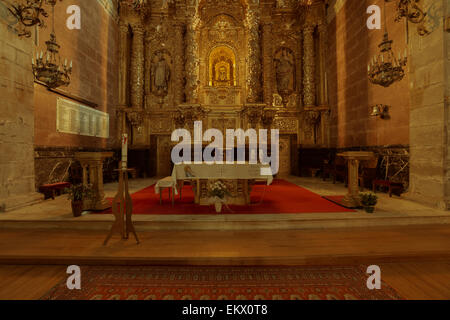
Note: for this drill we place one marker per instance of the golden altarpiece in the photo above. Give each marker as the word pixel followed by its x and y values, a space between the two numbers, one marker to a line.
pixel 228 63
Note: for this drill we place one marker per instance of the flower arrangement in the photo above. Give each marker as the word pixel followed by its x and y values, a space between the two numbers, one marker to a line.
pixel 218 189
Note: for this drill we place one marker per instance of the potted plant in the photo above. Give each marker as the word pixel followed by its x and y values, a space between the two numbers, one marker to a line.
pixel 369 201
pixel 77 193
pixel 218 191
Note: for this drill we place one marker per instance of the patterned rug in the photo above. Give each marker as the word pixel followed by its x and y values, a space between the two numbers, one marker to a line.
pixel 223 283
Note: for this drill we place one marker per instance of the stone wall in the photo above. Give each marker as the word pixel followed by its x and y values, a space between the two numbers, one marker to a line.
pixel 16 117
pixel 351 46
pixel 430 87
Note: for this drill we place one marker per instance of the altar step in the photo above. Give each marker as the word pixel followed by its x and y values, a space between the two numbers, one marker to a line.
pixel 283 247
pixel 235 222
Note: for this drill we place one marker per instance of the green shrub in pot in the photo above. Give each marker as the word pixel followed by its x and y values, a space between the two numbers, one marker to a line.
pixel 368 201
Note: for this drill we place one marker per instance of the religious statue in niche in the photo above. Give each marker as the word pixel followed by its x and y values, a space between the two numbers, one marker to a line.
pixel 222 67
pixel 285 73
pixel 160 73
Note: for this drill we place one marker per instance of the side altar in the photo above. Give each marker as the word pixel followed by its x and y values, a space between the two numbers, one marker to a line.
pixel 238 178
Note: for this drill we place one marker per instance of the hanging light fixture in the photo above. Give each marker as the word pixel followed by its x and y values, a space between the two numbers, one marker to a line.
pixel 410 10
pixel 47 68
pixel 385 68
pixel 29 13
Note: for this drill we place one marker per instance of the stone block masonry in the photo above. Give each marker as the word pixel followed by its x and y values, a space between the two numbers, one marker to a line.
pixel 16 121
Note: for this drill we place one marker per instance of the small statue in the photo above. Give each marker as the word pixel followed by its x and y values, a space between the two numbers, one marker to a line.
pixel 161 75
pixel 284 72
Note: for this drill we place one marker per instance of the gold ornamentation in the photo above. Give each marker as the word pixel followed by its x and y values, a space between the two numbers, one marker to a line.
pixel 286 125
pixel 137 67
pixel 254 56
pixel 136 118
pixel 309 88
pixel 192 62
pixel 178 64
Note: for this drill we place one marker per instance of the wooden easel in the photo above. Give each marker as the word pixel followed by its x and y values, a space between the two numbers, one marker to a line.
pixel 122 207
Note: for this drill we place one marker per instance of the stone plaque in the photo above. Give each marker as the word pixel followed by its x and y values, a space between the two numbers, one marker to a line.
pixel 74 118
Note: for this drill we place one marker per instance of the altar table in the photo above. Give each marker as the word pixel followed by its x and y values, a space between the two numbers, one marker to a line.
pixel 238 178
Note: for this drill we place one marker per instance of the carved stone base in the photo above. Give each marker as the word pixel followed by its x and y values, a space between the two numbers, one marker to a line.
pixel 13 203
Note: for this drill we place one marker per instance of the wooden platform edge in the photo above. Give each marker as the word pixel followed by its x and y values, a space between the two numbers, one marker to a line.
pixel 227 261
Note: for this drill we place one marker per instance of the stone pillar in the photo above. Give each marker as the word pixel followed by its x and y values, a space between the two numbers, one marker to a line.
pixel 123 68
pixel 17 170
pixel 429 178
pixel 267 62
pixel 309 86
pixel 253 56
pixel 323 99
pixel 178 64
pixel 192 64
pixel 137 67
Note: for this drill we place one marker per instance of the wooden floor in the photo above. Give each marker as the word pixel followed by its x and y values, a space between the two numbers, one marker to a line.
pixel 412 280
pixel 415 260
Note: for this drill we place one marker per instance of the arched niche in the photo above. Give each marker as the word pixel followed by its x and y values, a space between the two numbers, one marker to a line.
pixel 222 67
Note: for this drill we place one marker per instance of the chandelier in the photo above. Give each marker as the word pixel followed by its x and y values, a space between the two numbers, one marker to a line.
pixel 410 10
pixel 29 13
pixel 47 68
pixel 385 68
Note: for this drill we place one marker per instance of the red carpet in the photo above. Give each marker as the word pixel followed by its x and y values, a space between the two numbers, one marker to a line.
pixel 223 283
pixel 280 197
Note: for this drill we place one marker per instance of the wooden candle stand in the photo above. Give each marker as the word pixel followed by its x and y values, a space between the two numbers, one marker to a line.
pixel 122 207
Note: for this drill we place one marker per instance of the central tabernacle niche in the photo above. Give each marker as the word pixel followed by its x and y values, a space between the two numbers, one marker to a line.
pixel 222 67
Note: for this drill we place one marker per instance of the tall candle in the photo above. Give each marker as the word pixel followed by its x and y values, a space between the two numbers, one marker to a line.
pixel 124 150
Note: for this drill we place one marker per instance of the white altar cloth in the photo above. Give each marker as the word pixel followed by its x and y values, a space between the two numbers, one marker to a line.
pixel 194 171
pixel 222 171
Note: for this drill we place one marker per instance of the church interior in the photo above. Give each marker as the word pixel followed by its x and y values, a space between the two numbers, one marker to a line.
pixel 92 93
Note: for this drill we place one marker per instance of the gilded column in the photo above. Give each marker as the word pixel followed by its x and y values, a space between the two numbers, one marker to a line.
pixel 192 64
pixel 178 64
pixel 299 74
pixel 323 99
pixel 253 56
pixel 309 86
pixel 123 57
pixel 147 72
pixel 137 67
pixel 267 62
